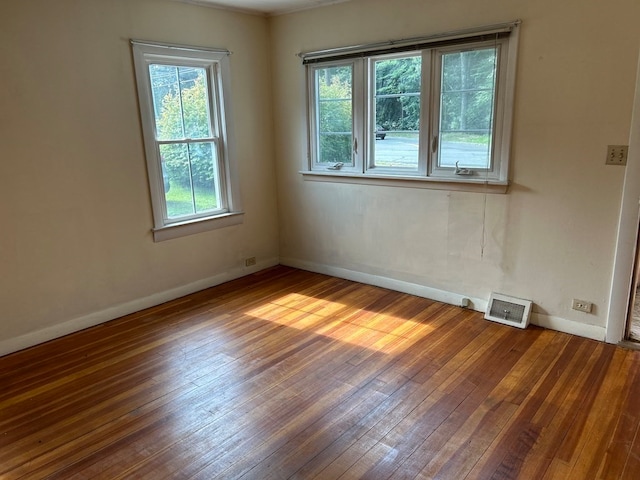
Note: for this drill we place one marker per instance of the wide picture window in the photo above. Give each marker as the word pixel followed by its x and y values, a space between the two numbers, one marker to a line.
pixel 186 133
pixel 436 109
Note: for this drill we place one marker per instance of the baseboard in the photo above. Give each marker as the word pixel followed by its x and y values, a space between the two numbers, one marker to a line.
pixel 418 290
pixel 55 331
pixel 542 320
pixel 40 336
pixel 560 324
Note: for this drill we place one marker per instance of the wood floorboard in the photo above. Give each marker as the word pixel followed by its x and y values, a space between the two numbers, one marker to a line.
pixel 287 374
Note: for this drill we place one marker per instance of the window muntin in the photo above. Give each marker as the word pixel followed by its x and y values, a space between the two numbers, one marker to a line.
pixel 181 94
pixel 463 120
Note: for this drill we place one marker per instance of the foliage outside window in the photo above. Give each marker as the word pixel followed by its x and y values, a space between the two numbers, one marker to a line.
pixel 467 105
pixel 186 135
pixel 335 125
pixel 433 113
pixel 396 107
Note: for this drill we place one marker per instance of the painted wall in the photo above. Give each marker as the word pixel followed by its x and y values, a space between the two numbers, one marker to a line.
pixel 552 237
pixel 75 240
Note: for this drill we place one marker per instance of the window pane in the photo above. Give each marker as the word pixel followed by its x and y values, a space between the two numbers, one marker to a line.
pixel 190 178
pixel 397 112
pixel 334 114
pixel 467 108
pixel 180 102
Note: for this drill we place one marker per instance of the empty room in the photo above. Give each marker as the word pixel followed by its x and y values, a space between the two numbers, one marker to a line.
pixel 298 239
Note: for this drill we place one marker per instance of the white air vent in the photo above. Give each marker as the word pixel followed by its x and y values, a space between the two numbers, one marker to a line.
pixel 508 310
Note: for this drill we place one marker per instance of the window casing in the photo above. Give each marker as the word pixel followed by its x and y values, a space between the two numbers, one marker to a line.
pixel 184 112
pixel 441 112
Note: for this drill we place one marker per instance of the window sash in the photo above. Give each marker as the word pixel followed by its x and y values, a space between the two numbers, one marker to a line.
pixel 373 167
pixel 495 155
pixel 352 162
pixel 213 116
pixel 219 189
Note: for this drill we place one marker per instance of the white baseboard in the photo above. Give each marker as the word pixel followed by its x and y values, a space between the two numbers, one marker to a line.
pixel 40 336
pixel 542 320
pixel 385 282
pixel 560 324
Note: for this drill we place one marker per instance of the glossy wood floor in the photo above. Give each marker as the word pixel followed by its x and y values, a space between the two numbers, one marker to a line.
pixel 289 374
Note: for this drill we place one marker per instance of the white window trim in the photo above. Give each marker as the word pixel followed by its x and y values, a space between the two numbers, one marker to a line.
pixel 498 171
pixel 381 171
pixel 356 103
pixel 431 183
pixel 496 181
pixel 182 229
pixel 217 65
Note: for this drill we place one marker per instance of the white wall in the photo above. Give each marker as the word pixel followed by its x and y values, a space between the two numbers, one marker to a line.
pixel 552 237
pixel 75 240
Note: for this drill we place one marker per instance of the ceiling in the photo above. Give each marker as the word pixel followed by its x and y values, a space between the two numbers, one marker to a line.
pixel 265 7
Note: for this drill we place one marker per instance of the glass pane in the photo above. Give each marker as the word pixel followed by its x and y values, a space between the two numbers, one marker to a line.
pixel 397 112
pixel 180 102
pixel 190 178
pixel 467 108
pixel 334 86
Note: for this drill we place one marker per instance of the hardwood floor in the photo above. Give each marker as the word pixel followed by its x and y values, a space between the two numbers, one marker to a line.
pixel 290 374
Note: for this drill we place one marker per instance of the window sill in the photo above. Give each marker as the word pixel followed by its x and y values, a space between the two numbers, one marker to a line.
pixel 433 183
pixel 176 230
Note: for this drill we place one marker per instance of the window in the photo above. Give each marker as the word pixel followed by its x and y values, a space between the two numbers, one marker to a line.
pixel 433 109
pixel 395 107
pixel 334 105
pixel 185 124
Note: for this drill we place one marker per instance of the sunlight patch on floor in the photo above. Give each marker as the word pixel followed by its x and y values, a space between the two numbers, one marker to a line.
pixel 379 332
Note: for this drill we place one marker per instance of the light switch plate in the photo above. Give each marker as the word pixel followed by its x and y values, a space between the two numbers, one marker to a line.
pixel 617 154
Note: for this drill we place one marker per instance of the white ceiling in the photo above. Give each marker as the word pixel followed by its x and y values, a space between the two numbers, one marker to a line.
pixel 265 7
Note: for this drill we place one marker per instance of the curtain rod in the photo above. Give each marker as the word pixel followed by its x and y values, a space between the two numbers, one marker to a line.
pixel 309 57
pixel 189 48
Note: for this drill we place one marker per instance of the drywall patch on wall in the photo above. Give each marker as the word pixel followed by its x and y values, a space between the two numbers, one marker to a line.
pixel 476 234
pixel 465 233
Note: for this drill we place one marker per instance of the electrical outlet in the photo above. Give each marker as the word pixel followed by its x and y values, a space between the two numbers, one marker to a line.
pixel 249 262
pixel 581 305
pixel 617 154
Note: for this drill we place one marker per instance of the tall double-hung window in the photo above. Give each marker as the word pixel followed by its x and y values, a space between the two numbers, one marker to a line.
pixel 435 109
pixel 183 103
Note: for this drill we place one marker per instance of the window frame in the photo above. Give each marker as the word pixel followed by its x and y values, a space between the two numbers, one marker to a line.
pixel 216 65
pixel 425 72
pixel 499 167
pixel 356 127
pixel 428 173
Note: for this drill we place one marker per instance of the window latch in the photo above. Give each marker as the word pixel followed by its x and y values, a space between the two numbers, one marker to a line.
pixel 463 171
pixel 434 144
pixel 355 146
pixel 336 166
